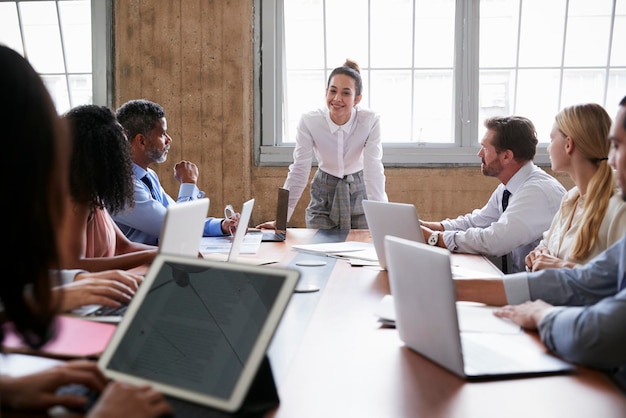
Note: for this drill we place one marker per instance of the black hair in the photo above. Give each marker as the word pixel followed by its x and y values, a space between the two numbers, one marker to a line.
pixel 34 140
pixel 101 165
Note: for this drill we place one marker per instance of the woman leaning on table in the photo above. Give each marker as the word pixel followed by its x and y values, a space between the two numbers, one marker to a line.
pixel 346 142
pixel 592 215
pixel 32 128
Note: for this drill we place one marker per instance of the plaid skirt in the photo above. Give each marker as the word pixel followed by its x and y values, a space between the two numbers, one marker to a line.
pixel 336 202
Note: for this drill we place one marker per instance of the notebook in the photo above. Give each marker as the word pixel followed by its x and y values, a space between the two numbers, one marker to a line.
pixel 237 238
pixel 198 331
pixel 181 233
pixel 389 218
pixel 420 279
pixel 282 208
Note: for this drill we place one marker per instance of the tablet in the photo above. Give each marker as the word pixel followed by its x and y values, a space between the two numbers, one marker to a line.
pixel 198 329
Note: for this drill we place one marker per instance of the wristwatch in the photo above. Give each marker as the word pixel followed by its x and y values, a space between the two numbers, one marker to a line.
pixel 434 238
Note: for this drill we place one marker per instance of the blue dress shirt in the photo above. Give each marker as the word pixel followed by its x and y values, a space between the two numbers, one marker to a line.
pixel 143 222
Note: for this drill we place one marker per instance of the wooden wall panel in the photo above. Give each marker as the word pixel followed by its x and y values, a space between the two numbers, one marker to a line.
pixel 195 58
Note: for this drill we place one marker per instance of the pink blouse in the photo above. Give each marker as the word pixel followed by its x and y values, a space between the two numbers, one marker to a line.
pixel 100 234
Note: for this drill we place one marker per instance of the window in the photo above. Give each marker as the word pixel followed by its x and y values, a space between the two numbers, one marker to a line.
pixel 435 69
pixel 66 42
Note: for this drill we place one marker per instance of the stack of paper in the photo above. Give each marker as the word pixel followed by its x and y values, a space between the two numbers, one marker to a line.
pixel 347 250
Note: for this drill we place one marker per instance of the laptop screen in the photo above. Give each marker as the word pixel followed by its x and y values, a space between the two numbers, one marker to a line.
pixel 198 329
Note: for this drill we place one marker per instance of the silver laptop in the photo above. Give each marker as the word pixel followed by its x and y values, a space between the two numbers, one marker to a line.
pixel 420 279
pixel 282 208
pixel 388 218
pixel 198 331
pixel 181 233
pixel 183 227
pixel 237 239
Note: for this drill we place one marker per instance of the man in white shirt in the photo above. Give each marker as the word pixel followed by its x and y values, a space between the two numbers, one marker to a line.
pixel 518 211
pixel 580 312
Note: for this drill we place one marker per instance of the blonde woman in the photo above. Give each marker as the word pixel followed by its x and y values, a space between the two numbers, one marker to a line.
pixel 592 215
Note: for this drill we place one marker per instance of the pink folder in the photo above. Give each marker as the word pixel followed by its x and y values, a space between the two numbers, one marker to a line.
pixel 74 338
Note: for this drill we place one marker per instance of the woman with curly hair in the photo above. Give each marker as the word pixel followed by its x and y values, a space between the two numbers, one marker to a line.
pixel 100 185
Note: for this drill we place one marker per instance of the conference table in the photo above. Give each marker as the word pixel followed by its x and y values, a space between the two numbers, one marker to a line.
pixel 337 360
pixel 331 357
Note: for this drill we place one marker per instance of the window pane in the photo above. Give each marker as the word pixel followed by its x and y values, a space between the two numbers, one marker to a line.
pixel 616 89
pixel 81 89
pixel 583 86
pixel 496 93
pixel 346 32
pixel 57 87
pixel 434 33
pixel 538 99
pixel 41 36
pixel 75 17
pixel 541 34
pixel 304 28
pixel 306 92
pixel 10 33
pixel 393 87
pixel 433 113
pixel 498 33
pixel 391 33
pixel 618 52
pixel 584 18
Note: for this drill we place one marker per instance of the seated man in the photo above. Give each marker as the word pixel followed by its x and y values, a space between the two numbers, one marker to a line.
pixel 518 211
pixel 587 323
pixel 146 129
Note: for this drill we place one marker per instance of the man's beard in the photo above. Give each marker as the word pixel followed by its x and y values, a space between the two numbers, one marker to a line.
pixel 158 156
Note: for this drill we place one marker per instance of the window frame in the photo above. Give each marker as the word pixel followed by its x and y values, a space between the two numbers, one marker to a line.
pixel 269 72
pixel 101 50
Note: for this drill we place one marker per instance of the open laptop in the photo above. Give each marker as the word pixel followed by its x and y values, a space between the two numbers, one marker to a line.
pixel 282 208
pixel 420 279
pixel 183 227
pixel 389 218
pixel 236 239
pixel 181 234
pixel 198 331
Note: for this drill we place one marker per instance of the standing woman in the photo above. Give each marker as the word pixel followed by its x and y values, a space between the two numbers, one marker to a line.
pixel 592 215
pixel 346 141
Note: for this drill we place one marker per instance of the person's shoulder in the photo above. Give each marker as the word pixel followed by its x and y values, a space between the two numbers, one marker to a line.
pixel 365 113
pixel 539 174
pixel 313 114
pixel 616 202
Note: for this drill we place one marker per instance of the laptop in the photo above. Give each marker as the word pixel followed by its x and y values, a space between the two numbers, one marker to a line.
pixel 198 331
pixel 420 279
pixel 282 208
pixel 181 234
pixel 183 227
pixel 236 239
pixel 389 218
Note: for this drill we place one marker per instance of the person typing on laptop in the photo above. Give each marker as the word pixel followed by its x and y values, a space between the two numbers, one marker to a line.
pixel 100 184
pixel 533 198
pixel 146 129
pixel 29 120
pixel 109 288
pixel 580 312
